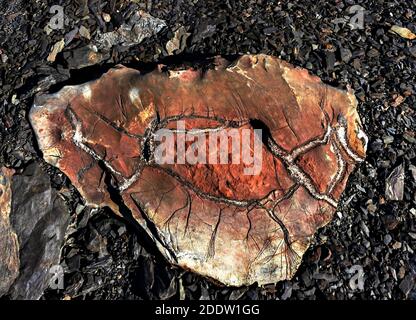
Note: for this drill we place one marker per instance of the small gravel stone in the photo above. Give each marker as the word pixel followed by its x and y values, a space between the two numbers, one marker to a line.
pixel 387 239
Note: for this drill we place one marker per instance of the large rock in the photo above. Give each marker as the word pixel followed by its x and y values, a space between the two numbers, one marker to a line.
pixel 32 227
pixel 9 247
pixel 219 220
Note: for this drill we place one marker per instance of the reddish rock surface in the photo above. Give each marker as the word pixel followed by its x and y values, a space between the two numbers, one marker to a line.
pixel 210 218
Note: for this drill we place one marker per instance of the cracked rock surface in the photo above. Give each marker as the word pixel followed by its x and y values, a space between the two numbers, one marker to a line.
pixel 210 218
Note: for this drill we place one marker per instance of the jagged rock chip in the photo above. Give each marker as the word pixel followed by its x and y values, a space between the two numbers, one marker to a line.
pixel 178 42
pixel 395 184
pixel 211 218
pixel 140 26
pixel 32 227
pixel 403 32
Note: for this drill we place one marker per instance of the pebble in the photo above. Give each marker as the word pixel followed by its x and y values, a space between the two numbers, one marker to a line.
pixel 80 207
pixel 57 47
pixel 14 100
pixel 4 58
pixel 365 229
pixel 388 140
pixel 346 54
pixel 84 32
pixel 407 284
pixel 387 239
pixel 397 245
pixel 106 17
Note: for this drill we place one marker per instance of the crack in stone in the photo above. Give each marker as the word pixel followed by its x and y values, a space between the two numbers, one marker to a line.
pixel 288 160
pixel 79 141
pixel 341 168
pixel 298 174
pixel 211 244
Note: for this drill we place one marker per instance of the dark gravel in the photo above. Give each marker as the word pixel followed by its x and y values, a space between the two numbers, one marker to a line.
pixel 105 258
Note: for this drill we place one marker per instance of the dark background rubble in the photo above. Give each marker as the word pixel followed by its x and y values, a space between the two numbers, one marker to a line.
pixel 105 258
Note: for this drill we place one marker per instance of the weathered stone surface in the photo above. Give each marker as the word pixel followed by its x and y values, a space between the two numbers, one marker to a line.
pixel 210 218
pixel 33 224
pixel 9 247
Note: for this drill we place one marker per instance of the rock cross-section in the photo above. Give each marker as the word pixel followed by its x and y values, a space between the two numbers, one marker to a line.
pixel 211 218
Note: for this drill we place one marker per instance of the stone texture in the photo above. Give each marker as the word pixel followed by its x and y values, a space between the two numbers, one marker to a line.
pixel 33 224
pixel 9 247
pixel 212 219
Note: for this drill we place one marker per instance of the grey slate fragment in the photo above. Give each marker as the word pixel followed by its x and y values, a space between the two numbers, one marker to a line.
pixel 140 26
pixel 395 184
pixel 39 217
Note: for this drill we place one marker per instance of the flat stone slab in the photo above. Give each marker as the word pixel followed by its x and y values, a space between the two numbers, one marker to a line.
pixel 33 222
pixel 9 245
pixel 235 222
